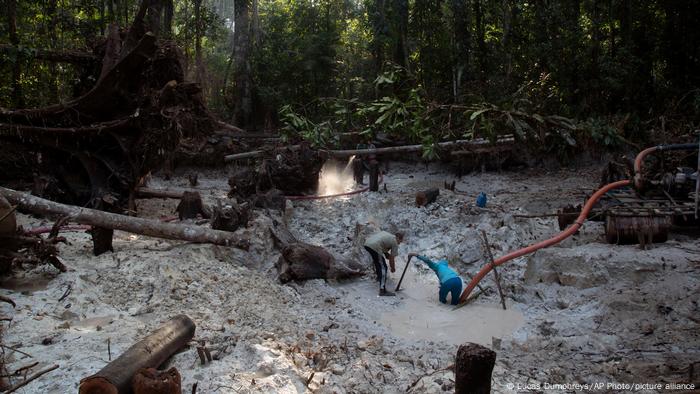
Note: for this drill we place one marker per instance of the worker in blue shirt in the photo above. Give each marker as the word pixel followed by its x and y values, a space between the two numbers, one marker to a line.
pixel 450 282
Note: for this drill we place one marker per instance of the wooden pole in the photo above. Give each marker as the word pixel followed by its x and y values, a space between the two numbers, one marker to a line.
pixel 373 175
pixel 152 228
pixel 414 148
pixel 152 351
pixel 147 192
pixel 398 286
pixel 487 248
pixel 473 368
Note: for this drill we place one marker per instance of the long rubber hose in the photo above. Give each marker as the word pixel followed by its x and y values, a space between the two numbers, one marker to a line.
pixel 543 244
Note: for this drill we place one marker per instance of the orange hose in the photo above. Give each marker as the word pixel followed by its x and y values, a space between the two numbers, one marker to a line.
pixel 638 162
pixel 543 244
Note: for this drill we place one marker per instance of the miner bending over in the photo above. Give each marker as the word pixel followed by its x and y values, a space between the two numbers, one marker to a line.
pixel 450 282
pixel 382 244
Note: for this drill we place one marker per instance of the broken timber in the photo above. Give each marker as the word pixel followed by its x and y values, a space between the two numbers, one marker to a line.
pixel 152 228
pixel 507 139
pixel 426 197
pixel 116 377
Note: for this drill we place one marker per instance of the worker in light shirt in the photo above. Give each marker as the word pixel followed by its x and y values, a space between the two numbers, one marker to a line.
pixel 379 245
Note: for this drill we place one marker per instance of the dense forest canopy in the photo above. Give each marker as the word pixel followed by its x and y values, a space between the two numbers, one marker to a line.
pixel 605 70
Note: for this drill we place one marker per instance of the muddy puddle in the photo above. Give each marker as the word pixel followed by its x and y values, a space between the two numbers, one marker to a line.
pixel 417 314
pixel 27 285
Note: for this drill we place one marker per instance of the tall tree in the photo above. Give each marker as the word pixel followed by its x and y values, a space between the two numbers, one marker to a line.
pixel 17 96
pixel 243 81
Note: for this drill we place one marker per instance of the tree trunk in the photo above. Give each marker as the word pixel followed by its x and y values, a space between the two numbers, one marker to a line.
pixel 191 206
pixel 151 228
pixel 473 368
pixel 242 91
pixel 480 36
pixel 150 352
pixel 461 26
pixel 426 197
pixel 198 40
pixel 17 96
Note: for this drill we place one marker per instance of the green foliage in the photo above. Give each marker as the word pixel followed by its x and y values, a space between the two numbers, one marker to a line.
pixel 295 125
pixel 418 70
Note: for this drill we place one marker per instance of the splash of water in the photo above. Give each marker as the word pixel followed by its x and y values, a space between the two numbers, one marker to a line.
pixel 334 178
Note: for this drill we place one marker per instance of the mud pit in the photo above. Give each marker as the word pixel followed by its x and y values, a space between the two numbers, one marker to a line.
pixel 580 312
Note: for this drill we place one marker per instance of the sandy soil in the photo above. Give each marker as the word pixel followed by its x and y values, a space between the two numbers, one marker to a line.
pixel 582 312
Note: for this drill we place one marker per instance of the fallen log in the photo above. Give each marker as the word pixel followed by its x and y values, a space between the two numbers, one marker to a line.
pixel 116 377
pixel 147 192
pixel 426 197
pixel 415 148
pixel 152 228
pixel 473 368
pixel 506 139
pixel 303 261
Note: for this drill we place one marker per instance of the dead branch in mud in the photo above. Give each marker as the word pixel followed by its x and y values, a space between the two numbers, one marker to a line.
pixel 152 228
pixel 17 248
pixel 30 379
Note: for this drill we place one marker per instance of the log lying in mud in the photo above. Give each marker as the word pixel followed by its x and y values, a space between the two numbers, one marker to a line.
pixel 303 261
pixel 151 228
pixel 147 192
pixel 426 197
pixel 116 377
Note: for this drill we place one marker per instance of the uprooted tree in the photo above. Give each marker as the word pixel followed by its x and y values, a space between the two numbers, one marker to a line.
pixel 93 150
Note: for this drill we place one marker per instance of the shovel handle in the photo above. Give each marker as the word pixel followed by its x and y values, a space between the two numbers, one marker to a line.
pixel 402 274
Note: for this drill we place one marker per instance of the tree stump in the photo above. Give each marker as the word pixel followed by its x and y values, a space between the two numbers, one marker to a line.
pixel 373 175
pixel 473 368
pixel 272 199
pixel 8 222
pixel 153 381
pixel 101 240
pixel 426 197
pixel 231 216
pixel 190 206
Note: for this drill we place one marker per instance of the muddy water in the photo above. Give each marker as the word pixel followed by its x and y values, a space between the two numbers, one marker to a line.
pixel 417 314
pixel 29 285
pixel 422 316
